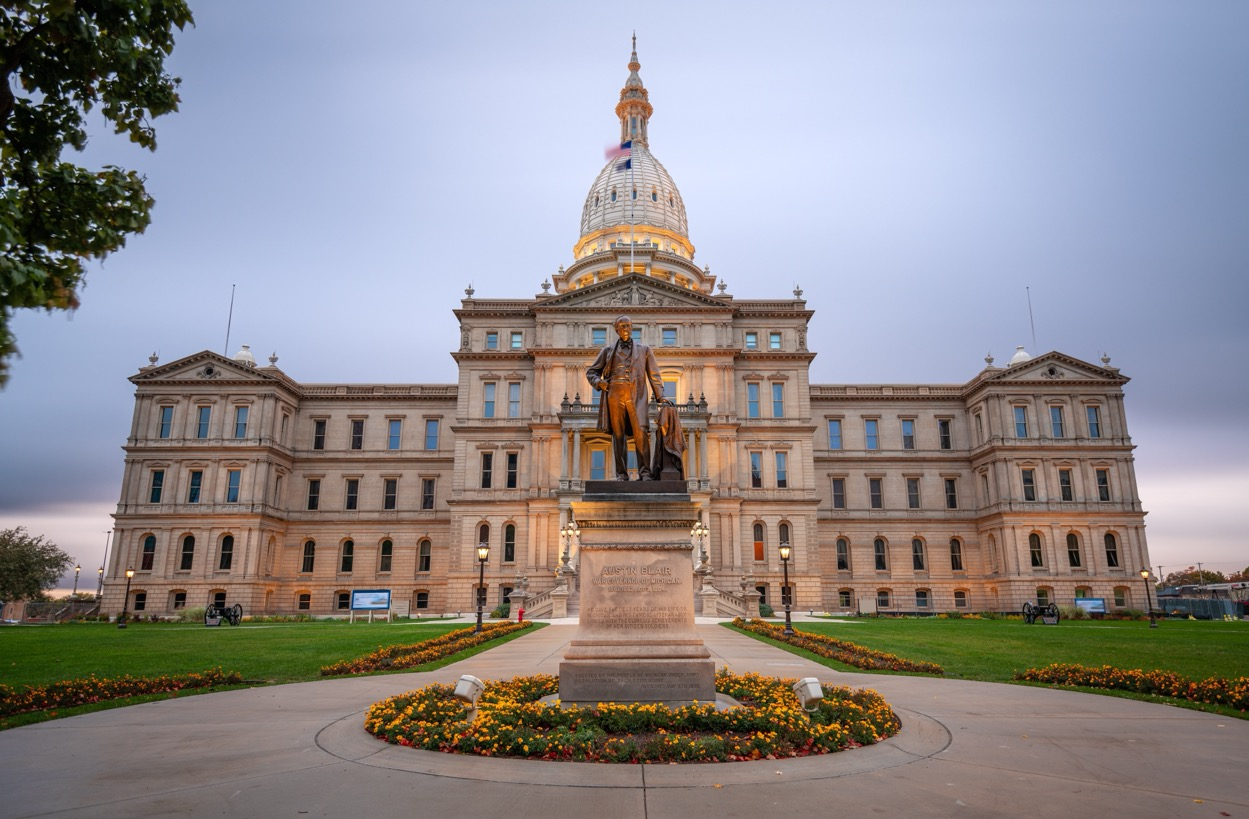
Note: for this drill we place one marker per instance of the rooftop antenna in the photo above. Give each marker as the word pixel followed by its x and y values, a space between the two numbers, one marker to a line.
pixel 1028 290
pixel 229 321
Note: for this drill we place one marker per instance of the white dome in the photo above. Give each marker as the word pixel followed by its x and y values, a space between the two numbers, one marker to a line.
pixel 612 201
pixel 245 357
pixel 1020 356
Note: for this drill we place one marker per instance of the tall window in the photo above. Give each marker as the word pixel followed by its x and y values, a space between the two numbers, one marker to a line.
pixel 943 433
pixel 1066 491
pixel 878 552
pixel 669 337
pixel 1021 422
pixel 158 485
pixel 240 422
pixel 1095 421
pixel 843 555
pixel 1103 484
pixel 394 432
pixel 487 407
pixel 422 600
pixel 188 554
pixel 483 533
pixel 951 493
pixel 782 533
pixel 513 470
pixel 509 543
pixel 908 433
pixel 759 542
pixel 352 500
pixel 492 340
pixel 839 493
pixel 428 485
pixel 1057 428
pixel 956 554
pixel 149 554
pixel 752 400
pixel 917 555
pixel 1073 550
pixel 1029 484
pixel 871 429
pixel 234 479
pixel 318 433
pixel 774 341
pixel 424 555
pixel 386 556
pixel 912 493
pixel 875 493
pixel 166 422
pixel 1112 551
pixel 390 493
pixel 347 557
pixel 517 339
pixel 487 469
pixel 834 433
pixel 844 598
pixel 193 488
pixel 1034 550
pixel 357 433
pixel 310 556
pixel 225 559
pixel 513 399
pixel 598 464
pixel 752 340
pixel 431 433
pixel 778 400
pixel 314 494
pixel 756 470
pixel 782 470
pixel 203 416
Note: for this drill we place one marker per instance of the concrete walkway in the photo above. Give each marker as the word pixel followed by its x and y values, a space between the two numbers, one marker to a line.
pixel 966 749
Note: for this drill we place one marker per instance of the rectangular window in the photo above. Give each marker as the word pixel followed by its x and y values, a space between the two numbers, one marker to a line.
pixel 871 428
pixel 492 340
pixel 318 434
pixel 670 391
pixel 921 598
pixel 387 556
pixel 956 555
pixel 778 400
pixel 487 469
pixel 908 433
pixel 875 493
pixel 431 433
pixel 509 548
pixel 422 600
pixel 357 433
pixel 839 493
pixel 352 498
pixel 240 422
pixel 428 486
pixel 1064 485
pixel 843 598
pixel 513 399
pixel 943 433
pixel 960 599
pixel 394 433
pixel 834 433
pixel 951 493
pixel 917 555
pixel 1029 484
pixel 774 341
pixel 882 599
pixel 314 494
pixel 347 559
pixel 756 470
pixel 390 493
pixel 188 554
pixel 226 559
pixel 234 479
pixel 158 486
pixel 758 542
pixel 193 489
pixel 752 341
pixel 305 602
pixel 912 493
pixel 203 416
pixel 598 336
pixel 843 555
pixel 636 333
pixel 140 601
pixel 598 464
pixel 1103 484
pixel 518 339
pixel 487 408
pixel 1057 428
pixel 1021 422
pixel 166 422
pixel 782 470
pixel 669 337
pixel 752 400
pixel 1095 421
pixel 1121 597
pixel 179 600
pixel 513 470
pixel 878 553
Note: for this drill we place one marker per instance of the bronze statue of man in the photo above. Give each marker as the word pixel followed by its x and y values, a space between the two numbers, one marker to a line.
pixel 621 372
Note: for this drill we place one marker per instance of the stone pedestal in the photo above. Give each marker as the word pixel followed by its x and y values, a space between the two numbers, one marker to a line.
pixel 636 641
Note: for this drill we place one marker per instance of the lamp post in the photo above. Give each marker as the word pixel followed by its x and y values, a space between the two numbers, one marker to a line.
pixel 483 554
pixel 699 534
pixel 77 569
pixel 568 533
pixel 1153 623
pixel 786 594
pixel 125 601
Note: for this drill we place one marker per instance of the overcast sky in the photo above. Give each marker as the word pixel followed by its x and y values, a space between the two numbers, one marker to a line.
pixel 915 167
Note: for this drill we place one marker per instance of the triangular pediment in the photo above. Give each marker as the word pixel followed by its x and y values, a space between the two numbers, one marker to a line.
pixel 205 366
pixel 1056 367
pixel 632 291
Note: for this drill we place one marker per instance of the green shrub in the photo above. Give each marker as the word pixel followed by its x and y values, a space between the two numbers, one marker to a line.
pixel 1073 612
pixel 503 612
pixel 765 610
pixel 194 614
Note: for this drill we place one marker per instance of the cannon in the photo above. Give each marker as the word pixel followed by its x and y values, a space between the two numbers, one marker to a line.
pixel 214 614
pixel 1047 614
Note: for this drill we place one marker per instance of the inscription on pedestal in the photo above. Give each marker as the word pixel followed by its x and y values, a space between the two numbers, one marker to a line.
pixel 637 681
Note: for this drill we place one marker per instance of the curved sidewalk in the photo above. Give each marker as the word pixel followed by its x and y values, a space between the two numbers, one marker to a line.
pixel 967 749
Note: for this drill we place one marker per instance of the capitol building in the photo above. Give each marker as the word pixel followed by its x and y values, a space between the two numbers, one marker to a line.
pixel 244 486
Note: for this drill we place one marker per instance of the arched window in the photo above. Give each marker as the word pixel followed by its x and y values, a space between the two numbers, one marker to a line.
pixel 422 600
pixel 843 555
pixel 613 194
pixel 225 559
pixel 882 598
pixel 424 556
pixel 1112 551
pixel 878 551
pixel 483 533
pixel 1034 550
pixel 918 562
pixel 385 556
pixel 310 554
pixel 149 553
pixel 782 533
pixel 344 600
pixel 1073 550
pixel 1043 595
pixel 304 600
pixel 956 554
pixel 188 553
pixel 347 557
pixel 509 543
pixel 759 542
pixel 960 599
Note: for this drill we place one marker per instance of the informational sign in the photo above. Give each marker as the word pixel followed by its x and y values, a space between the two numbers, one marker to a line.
pixel 370 599
pixel 1093 605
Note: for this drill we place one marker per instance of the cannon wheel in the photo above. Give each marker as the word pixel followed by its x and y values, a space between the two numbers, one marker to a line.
pixel 235 613
pixel 210 611
pixel 1029 613
pixel 1052 611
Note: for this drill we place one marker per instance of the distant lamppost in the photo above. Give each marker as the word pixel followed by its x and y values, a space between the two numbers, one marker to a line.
pixel 786 594
pixel 121 621
pixel 77 569
pixel 699 534
pixel 568 534
pixel 483 554
pixel 1153 623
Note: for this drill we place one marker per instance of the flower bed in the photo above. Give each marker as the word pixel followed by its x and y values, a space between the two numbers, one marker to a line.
pixel 851 654
pixel 68 693
pixel 511 722
pixel 1215 690
pixel 426 651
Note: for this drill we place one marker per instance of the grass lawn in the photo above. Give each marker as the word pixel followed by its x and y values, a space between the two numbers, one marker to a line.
pixel 994 650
